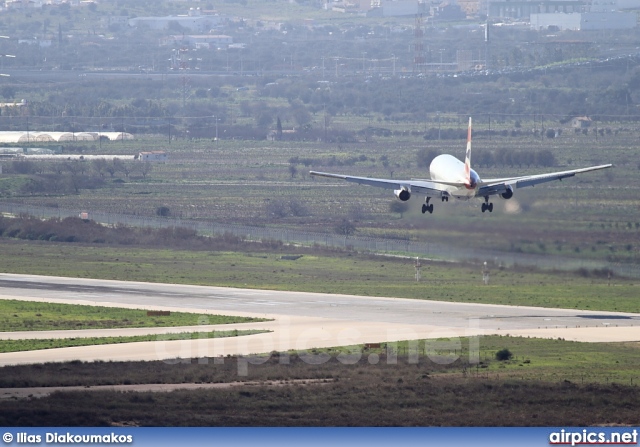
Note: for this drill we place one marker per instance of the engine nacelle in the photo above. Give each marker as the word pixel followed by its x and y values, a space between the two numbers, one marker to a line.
pixel 508 193
pixel 402 194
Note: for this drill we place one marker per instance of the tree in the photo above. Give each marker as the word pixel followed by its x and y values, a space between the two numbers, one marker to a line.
pixel 8 92
pixel 111 168
pixel 23 167
pixel 345 228
pixel 279 130
pixel 301 115
pixel 121 166
pixel 264 119
pixel 74 168
pixel 99 165
pixel 398 207
pixel 146 168
pixel 545 158
pixel 425 157
pixel 277 208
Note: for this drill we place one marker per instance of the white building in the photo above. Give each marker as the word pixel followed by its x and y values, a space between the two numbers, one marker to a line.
pixel 153 156
pixel 580 21
pixel 194 21
pixel 200 41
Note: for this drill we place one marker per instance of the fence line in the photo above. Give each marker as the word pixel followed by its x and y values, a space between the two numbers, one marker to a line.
pixel 407 247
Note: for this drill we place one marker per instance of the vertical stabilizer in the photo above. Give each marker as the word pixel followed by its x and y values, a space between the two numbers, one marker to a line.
pixel 467 157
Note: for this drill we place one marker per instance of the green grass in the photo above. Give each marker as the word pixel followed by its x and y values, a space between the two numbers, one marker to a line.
pixel 340 273
pixel 16 315
pixel 52 343
pixel 534 359
pixel 540 359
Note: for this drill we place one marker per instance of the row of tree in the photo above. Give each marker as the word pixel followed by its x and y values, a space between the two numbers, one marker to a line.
pixel 71 175
pixel 498 157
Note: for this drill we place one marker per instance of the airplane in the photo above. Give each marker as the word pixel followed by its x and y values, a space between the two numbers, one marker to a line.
pixel 451 177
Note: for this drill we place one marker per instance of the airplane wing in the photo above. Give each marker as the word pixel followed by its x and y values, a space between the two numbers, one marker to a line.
pixel 427 187
pixel 498 186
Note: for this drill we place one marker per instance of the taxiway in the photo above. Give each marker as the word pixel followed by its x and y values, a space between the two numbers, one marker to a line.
pixel 300 321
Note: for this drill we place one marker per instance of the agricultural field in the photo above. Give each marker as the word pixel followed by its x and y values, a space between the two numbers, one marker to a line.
pixel 263 183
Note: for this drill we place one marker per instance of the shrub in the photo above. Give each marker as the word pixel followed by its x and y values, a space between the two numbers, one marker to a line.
pixel 503 354
pixel 163 211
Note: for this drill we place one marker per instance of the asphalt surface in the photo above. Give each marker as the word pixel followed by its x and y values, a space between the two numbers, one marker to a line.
pixel 301 321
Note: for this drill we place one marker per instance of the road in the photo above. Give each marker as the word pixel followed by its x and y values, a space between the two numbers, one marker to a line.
pixel 301 321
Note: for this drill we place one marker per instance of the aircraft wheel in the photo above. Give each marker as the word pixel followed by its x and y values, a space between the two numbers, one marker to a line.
pixel 431 209
pixel 424 208
pixel 490 207
pixel 484 207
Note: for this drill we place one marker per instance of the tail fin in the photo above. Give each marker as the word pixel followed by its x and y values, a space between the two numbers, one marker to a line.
pixel 467 158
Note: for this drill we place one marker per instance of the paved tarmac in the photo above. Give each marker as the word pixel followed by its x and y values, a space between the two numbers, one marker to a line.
pixel 301 321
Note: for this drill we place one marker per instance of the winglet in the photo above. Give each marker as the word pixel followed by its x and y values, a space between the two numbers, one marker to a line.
pixel 467 158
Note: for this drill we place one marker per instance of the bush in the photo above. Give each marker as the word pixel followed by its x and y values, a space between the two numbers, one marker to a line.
pixel 163 211
pixel 503 354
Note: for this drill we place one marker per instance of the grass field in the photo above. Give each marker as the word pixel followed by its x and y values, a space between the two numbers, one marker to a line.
pixel 346 273
pixel 16 315
pixel 534 359
pixel 52 343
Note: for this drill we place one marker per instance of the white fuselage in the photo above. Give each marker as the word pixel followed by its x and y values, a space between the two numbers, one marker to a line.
pixel 447 168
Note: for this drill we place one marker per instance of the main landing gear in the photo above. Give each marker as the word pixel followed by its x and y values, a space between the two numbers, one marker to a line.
pixel 427 206
pixel 486 206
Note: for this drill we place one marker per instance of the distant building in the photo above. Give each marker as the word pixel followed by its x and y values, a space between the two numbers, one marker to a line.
pixel 194 21
pixel 199 41
pixel 447 11
pixel 43 43
pixel 22 4
pixel 398 8
pixel 153 156
pixel 581 122
pixel 114 20
pixel 523 9
pixel 14 104
pixel 580 21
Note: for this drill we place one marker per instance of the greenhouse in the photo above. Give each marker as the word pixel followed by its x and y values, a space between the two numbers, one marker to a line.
pixel 9 137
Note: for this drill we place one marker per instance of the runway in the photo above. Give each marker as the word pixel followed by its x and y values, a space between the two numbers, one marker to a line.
pixel 301 321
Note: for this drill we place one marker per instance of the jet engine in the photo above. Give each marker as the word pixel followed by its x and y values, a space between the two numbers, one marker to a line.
pixel 402 194
pixel 508 193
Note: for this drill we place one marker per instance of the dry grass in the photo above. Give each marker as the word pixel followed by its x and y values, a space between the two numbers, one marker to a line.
pixel 360 394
